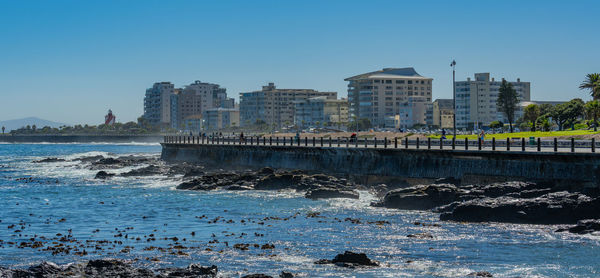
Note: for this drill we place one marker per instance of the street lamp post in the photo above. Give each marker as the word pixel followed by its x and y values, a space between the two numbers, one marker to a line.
pixel 453 65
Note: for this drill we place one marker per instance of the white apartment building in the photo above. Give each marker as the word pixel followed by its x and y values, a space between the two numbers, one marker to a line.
pixel 413 112
pixel 476 100
pixel 380 95
pixel 274 106
pixel 157 103
pixel 320 111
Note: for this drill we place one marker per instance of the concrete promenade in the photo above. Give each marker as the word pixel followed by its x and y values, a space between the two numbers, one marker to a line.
pixel 379 160
pixel 510 145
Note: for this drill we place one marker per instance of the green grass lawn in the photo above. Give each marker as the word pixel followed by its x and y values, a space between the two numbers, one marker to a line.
pixel 525 134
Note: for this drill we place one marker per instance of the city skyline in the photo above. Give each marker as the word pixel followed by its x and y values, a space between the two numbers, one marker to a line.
pixel 65 65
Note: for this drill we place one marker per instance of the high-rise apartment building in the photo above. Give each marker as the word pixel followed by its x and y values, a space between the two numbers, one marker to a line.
pixel 476 100
pixel 157 103
pixel 174 107
pixel 320 111
pixel 197 98
pixel 379 95
pixel 274 106
pixel 443 113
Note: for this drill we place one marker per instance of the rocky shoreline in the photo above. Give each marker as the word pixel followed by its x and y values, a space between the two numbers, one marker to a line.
pixel 121 268
pixel 505 202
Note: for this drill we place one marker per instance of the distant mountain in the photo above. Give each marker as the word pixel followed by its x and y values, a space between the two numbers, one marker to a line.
pixel 18 123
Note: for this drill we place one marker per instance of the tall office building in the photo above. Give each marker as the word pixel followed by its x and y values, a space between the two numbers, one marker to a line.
pixel 274 106
pixel 157 103
pixel 379 95
pixel 476 100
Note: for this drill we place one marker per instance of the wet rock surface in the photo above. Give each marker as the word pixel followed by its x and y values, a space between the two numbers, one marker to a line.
pixel 586 226
pixel 350 259
pixel 326 193
pixel 49 160
pixel 510 202
pixel 317 186
pixel 552 208
pixel 106 268
pixel 102 175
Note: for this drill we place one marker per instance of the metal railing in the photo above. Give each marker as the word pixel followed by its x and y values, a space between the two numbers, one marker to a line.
pixel 510 144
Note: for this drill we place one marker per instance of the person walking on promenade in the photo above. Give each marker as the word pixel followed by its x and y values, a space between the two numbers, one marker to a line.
pixel 241 137
pixel 482 135
pixel 443 133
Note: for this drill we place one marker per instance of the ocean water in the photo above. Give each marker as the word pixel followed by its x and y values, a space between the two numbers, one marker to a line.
pixel 61 205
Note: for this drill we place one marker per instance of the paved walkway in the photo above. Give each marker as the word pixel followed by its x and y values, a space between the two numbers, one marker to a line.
pixel 562 146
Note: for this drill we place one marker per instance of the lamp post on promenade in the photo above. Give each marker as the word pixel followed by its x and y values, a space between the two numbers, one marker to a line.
pixel 453 65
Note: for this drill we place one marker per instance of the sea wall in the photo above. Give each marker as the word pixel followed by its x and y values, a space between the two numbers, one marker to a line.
pixel 81 138
pixel 573 170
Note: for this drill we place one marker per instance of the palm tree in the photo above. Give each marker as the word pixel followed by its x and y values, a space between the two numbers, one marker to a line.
pixel 592 110
pixel 592 83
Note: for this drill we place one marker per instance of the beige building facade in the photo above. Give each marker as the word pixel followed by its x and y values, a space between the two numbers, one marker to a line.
pixel 380 95
pixel 443 113
pixel 274 106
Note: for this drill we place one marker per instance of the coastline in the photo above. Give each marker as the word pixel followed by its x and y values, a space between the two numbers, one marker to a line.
pixel 81 138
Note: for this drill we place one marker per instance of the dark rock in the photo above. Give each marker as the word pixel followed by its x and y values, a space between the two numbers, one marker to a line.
pixel 45 269
pixel 114 268
pixel 450 180
pixel 257 276
pixel 421 197
pixel 325 193
pixel 552 208
pixel 421 235
pixel 480 274
pixel 350 259
pixel 150 170
pixel 107 161
pixel 87 159
pixel 193 270
pixel 285 274
pixel 106 268
pixel 239 187
pixel 278 181
pixel 586 226
pixel 504 188
pixel 102 175
pixel 49 159
pixel 266 171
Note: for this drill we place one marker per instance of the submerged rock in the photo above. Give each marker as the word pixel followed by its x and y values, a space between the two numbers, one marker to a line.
pixel 49 159
pixel 586 226
pixel 107 268
pixel 325 193
pixel 102 175
pixel 421 197
pixel 150 170
pixel 552 208
pixel 350 259
pixel 480 274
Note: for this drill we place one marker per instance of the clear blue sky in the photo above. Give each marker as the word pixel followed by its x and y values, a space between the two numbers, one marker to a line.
pixel 70 61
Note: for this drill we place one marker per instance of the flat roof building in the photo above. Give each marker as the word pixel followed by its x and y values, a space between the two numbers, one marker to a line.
pixel 379 95
pixel 320 111
pixel 476 100
pixel 274 106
